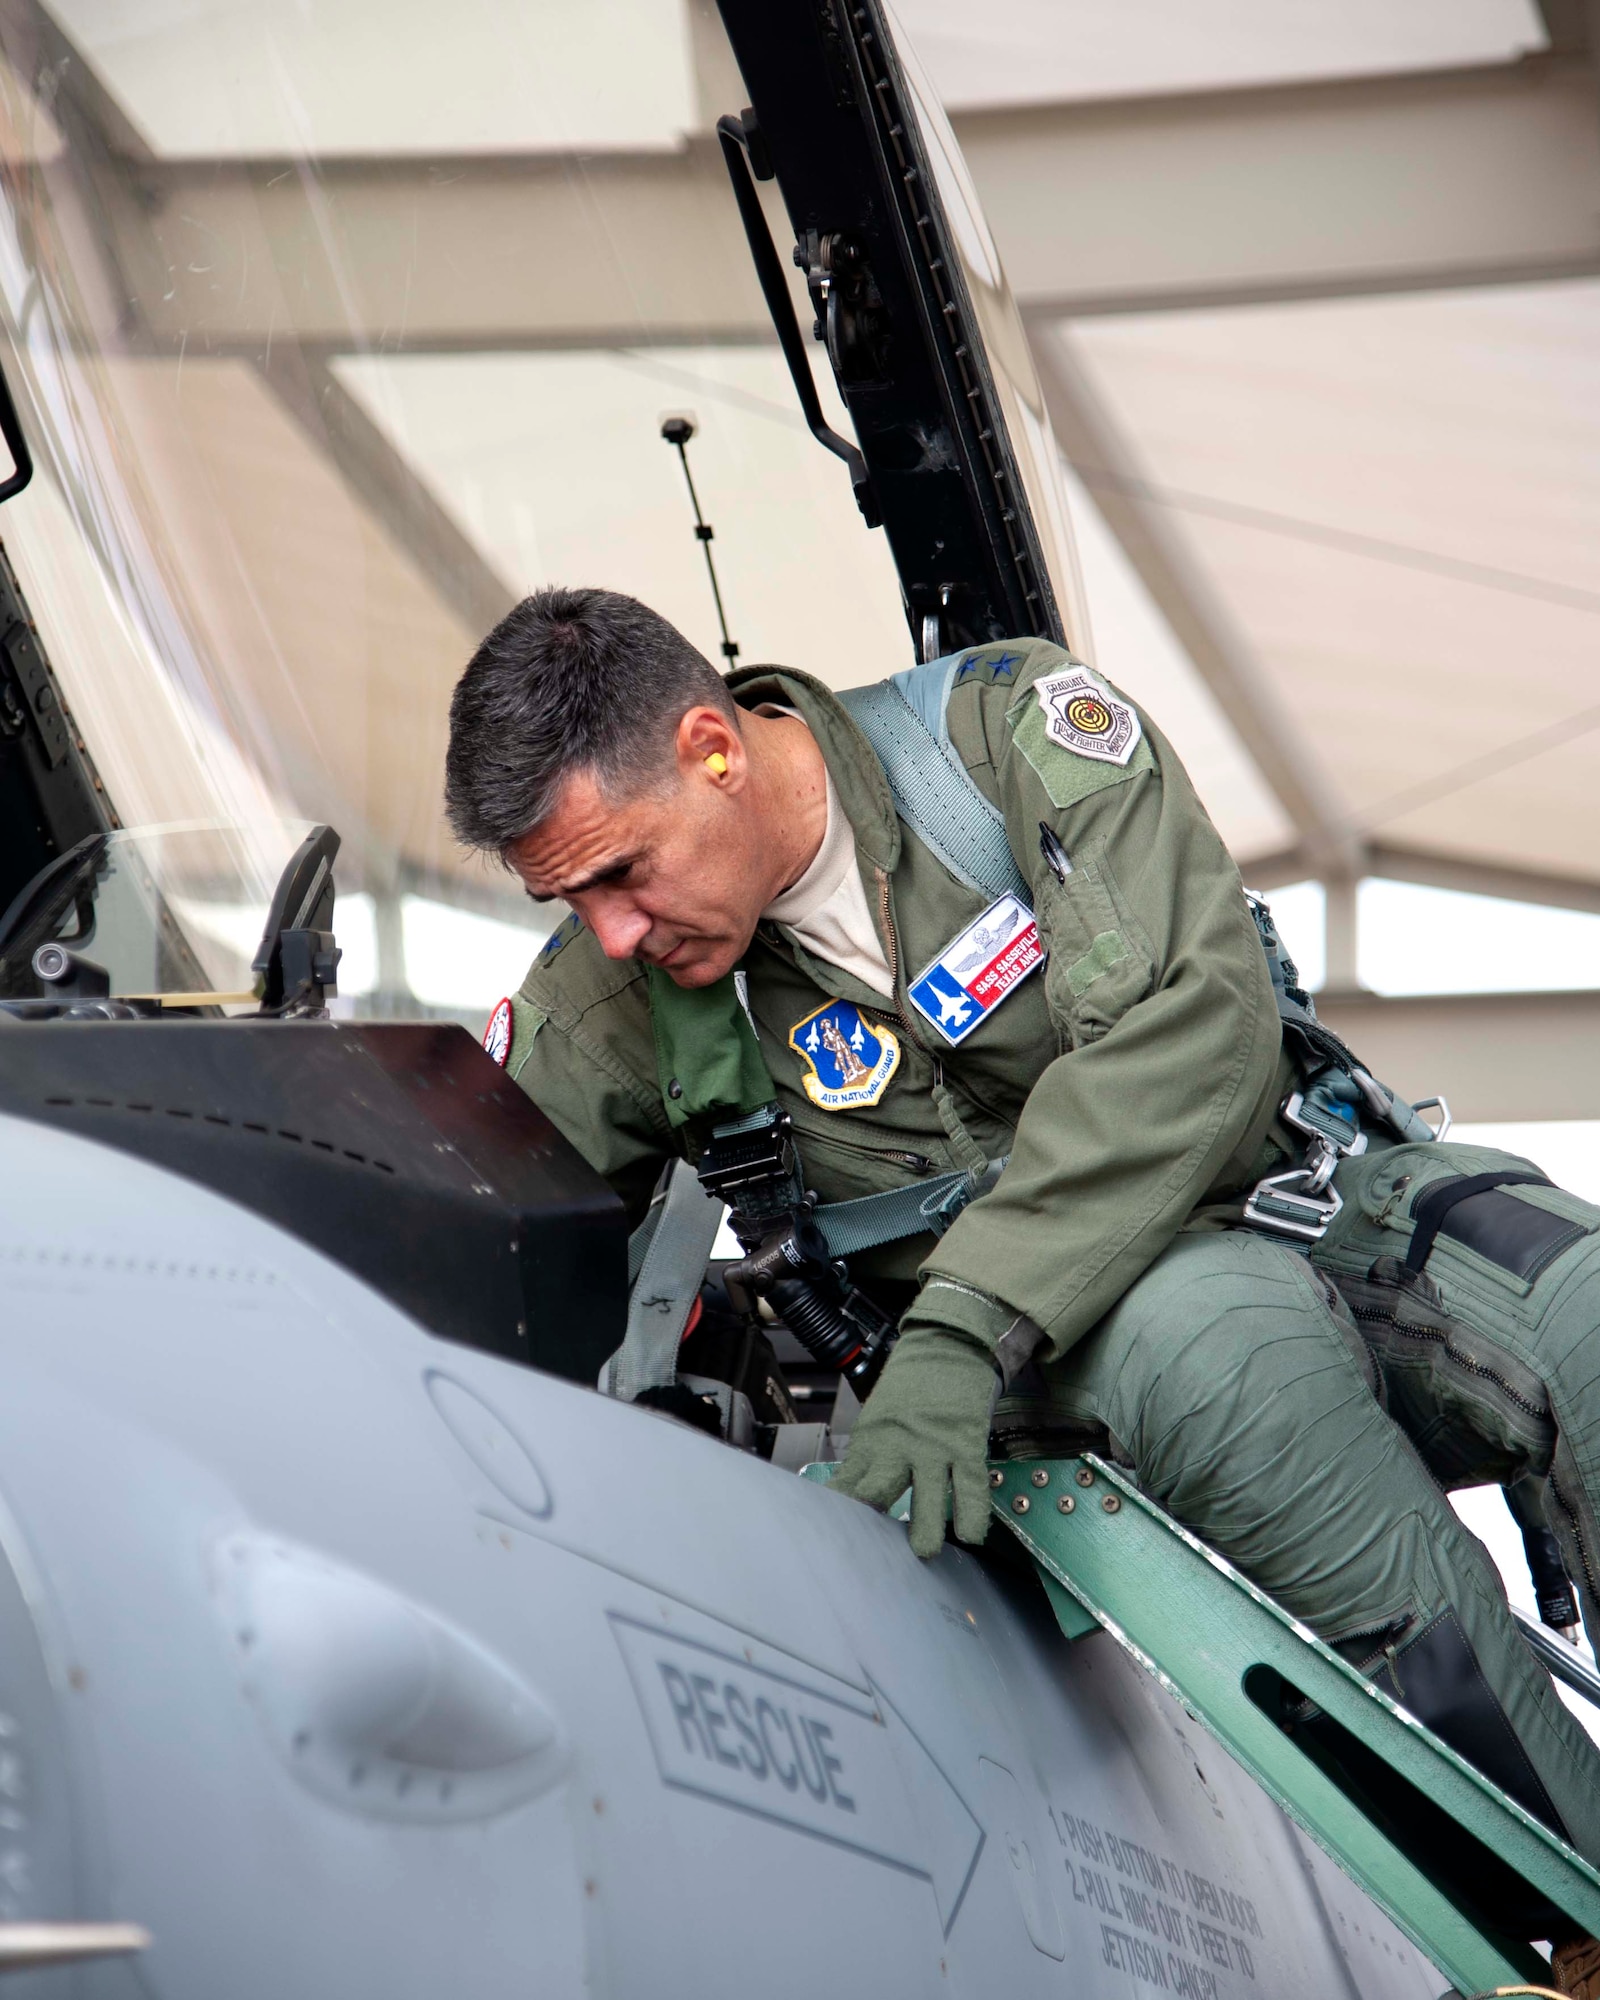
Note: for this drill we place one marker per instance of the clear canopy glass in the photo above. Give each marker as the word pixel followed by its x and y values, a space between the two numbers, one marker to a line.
pixel 162 911
pixel 336 328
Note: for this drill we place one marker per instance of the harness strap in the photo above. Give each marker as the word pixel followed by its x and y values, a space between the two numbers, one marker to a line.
pixel 1431 1208
pixel 930 1205
pixel 903 718
pixel 639 1242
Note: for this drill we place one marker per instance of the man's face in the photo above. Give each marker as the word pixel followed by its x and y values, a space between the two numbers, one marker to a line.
pixel 675 876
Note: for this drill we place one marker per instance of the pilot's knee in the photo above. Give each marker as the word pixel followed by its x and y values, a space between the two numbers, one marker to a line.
pixel 1232 1348
pixel 1210 1297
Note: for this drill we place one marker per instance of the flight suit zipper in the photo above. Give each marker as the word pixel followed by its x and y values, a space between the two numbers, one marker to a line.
pixel 1578 1541
pixel 914 1163
pixel 1413 1332
pixel 892 952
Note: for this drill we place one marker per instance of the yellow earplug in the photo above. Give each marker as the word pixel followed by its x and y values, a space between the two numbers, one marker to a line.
pixel 717 764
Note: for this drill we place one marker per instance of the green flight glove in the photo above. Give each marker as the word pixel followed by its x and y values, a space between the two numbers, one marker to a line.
pixel 926 1426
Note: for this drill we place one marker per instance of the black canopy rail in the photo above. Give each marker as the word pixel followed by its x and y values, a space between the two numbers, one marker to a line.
pixel 741 148
pixel 834 121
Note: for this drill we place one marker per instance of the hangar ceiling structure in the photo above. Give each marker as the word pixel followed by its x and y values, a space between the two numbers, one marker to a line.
pixel 1316 311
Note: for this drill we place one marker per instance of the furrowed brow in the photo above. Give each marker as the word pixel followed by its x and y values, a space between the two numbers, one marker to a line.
pixel 608 873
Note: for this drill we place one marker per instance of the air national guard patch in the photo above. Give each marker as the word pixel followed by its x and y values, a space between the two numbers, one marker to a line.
pixel 851 1058
pixel 1083 716
pixel 497 1036
pixel 976 970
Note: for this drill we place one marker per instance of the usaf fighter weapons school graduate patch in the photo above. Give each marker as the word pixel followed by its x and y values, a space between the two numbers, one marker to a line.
pixel 851 1058
pixel 1079 737
pixel 976 970
pixel 1082 715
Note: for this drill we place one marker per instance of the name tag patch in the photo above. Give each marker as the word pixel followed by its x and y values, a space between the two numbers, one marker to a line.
pixel 976 970
pixel 1086 718
pixel 850 1059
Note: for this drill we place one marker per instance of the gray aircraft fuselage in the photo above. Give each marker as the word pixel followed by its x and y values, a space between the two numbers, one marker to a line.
pixel 351 1662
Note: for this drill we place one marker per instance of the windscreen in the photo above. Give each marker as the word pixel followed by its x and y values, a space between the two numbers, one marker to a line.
pixel 173 912
pixel 339 326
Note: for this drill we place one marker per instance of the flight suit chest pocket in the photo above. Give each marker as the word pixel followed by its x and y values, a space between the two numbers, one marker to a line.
pixel 1100 961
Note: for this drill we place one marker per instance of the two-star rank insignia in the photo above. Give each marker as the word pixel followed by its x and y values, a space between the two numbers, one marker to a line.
pixel 561 937
pixel 999 666
pixel 849 1058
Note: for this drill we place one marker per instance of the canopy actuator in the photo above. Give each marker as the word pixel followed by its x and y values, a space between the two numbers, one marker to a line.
pixel 747 162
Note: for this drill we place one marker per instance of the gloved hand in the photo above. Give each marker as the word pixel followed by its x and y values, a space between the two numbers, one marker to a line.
pixel 926 1426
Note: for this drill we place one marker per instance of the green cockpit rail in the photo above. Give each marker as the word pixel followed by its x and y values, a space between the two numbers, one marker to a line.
pixel 1111 1558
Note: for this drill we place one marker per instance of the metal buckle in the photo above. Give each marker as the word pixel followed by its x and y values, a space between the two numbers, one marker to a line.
pixel 1299 1203
pixel 1332 1133
pixel 1302 1201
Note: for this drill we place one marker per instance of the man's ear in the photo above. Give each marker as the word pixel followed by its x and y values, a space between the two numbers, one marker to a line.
pixel 710 748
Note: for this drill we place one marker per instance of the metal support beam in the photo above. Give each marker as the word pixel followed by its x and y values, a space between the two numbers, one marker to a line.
pixel 392 995
pixel 440 255
pixel 1483 878
pixel 1382 184
pixel 1266 872
pixel 1377 184
pixel 1341 931
pixel 38 47
pixel 1154 544
pixel 1494 1056
pixel 1436 871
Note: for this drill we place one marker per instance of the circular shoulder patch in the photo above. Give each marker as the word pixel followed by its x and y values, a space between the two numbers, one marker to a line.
pixel 497 1036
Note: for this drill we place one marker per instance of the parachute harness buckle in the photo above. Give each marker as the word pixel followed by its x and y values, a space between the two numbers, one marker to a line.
pixel 1302 1201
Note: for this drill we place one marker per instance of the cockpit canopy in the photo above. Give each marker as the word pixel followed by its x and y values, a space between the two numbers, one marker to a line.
pixel 324 363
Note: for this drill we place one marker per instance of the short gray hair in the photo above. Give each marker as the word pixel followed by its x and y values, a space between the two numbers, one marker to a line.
pixel 569 680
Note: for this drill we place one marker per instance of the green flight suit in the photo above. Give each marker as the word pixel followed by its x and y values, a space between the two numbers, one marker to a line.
pixel 1133 1082
pixel 1133 1077
pixel 1490 1349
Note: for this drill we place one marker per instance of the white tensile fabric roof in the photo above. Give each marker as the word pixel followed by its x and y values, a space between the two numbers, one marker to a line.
pixel 1370 460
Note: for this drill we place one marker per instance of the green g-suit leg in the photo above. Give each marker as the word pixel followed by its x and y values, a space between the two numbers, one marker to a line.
pixel 1491 1367
pixel 1234 1380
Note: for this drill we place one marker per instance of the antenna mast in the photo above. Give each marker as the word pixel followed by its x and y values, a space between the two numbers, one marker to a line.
pixel 677 431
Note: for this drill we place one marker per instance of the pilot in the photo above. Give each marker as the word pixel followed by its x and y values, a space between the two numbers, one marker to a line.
pixel 1116 1040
